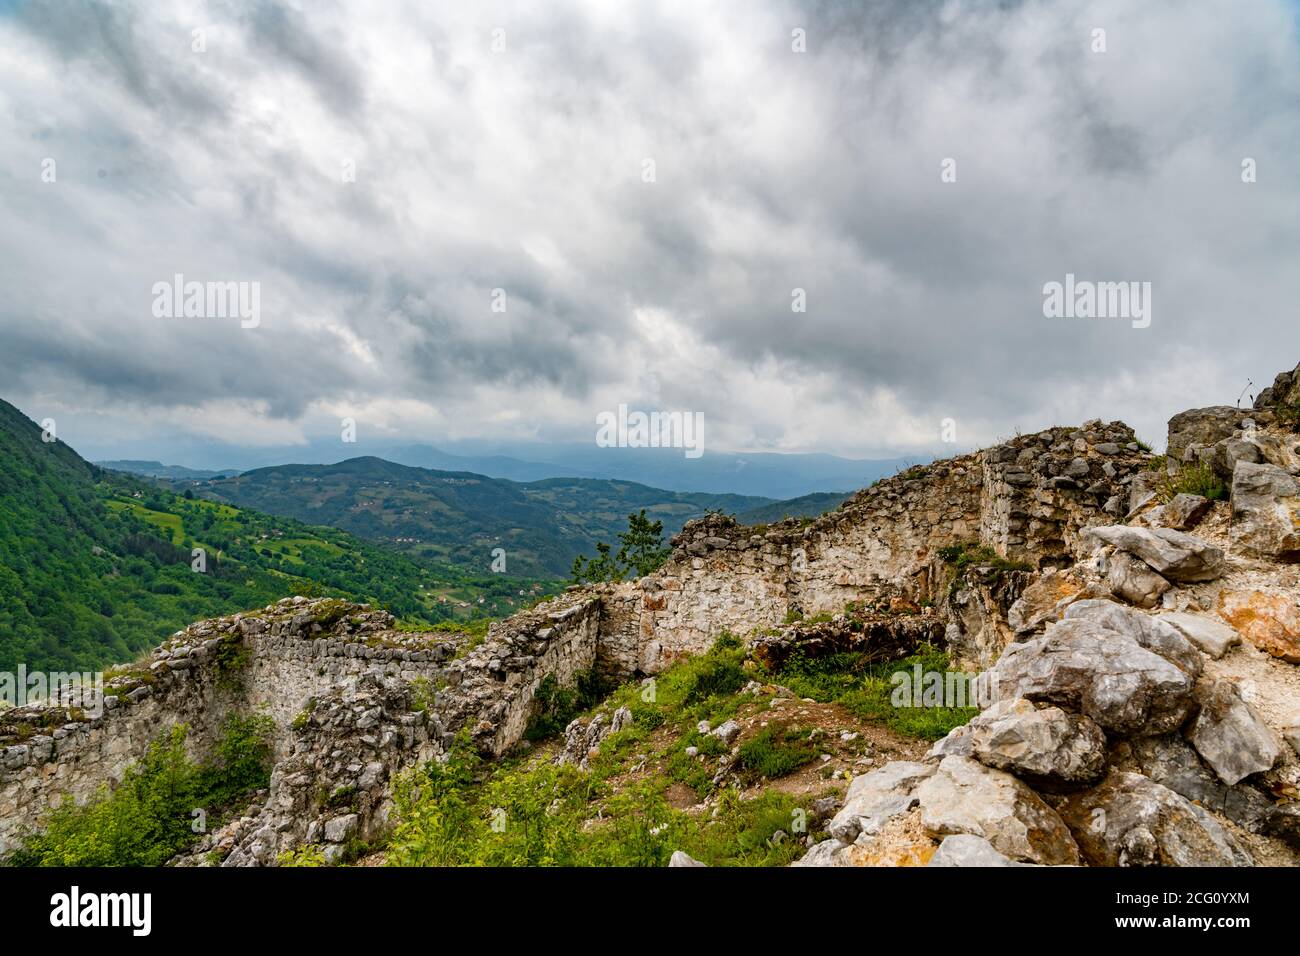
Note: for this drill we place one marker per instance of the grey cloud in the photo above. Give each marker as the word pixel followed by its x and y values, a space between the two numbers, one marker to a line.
pixel 775 170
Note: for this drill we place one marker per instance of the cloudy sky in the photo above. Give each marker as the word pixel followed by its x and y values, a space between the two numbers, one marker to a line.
pixel 505 146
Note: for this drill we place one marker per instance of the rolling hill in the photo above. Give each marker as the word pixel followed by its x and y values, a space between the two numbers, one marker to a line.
pixel 460 517
pixel 96 565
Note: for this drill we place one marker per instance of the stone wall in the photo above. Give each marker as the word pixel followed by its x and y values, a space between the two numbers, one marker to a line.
pixel 1026 499
pixel 281 661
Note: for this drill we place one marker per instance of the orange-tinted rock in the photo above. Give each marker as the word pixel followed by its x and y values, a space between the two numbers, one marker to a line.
pixel 1268 619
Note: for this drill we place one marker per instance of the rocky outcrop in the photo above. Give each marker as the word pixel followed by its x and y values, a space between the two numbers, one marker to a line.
pixel 1134 580
pixel 1130 820
pixel 1044 745
pixel 878 797
pixel 966 797
pixel 1229 735
pixel 964 849
pixel 1267 618
pixel 1106 675
pixel 1175 555
pixel 1265 512
pixel 1211 637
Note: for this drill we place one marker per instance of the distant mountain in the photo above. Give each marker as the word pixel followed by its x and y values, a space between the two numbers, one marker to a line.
pixel 762 474
pixel 96 565
pixel 806 506
pixel 461 516
pixel 156 469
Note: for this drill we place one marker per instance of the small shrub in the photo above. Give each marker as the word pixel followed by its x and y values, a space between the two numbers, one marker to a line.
pixel 557 705
pixel 307 855
pixel 1198 479
pixel 777 750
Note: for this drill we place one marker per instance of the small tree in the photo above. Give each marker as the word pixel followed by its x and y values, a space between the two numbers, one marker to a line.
pixel 603 567
pixel 643 548
pixel 641 551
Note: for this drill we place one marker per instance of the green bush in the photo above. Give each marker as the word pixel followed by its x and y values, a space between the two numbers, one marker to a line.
pixel 242 760
pixel 148 818
pixel 557 705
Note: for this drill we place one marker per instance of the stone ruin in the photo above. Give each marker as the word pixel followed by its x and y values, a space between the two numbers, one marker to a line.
pixel 1141 644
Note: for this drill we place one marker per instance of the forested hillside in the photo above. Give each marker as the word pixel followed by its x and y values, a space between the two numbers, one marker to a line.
pixel 461 517
pixel 96 565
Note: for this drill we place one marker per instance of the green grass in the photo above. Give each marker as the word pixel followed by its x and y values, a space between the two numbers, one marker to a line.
pixel 1198 479
pixel 865 689
pixel 966 555
pixel 460 813
pixel 777 750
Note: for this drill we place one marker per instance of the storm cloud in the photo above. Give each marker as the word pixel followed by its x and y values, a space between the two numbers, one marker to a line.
pixel 647 185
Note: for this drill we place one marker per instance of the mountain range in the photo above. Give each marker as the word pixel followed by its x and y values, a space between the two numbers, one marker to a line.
pixel 760 474
pixel 462 517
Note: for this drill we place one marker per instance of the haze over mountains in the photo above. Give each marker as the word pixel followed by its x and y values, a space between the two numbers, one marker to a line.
pixel 763 474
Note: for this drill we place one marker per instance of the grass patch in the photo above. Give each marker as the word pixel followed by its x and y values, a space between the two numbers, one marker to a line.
pixel 968 554
pixel 777 750
pixel 1198 479
pixel 865 688
pixel 462 812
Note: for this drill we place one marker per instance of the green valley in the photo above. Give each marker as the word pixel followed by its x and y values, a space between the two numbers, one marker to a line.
pixel 97 565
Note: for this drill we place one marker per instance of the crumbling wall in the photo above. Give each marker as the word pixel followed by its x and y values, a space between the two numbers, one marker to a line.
pixel 1027 500
pixel 282 661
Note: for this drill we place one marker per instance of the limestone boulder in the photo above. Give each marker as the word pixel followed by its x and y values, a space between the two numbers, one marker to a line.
pixel 1265 512
pixel 1130 820
pixel 965 849
pixel 1185 511
pixel 1044 745
pixel 1203 426
pixel 1230 735
pixel 1133 580
pixel 1176 555
pixel 1153 633
pixel 1044 600
pixel 1082 666
pixel 1225 455
pixel 964 796
pixel 1211 637
pixel 1170 760
pixel 877 797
